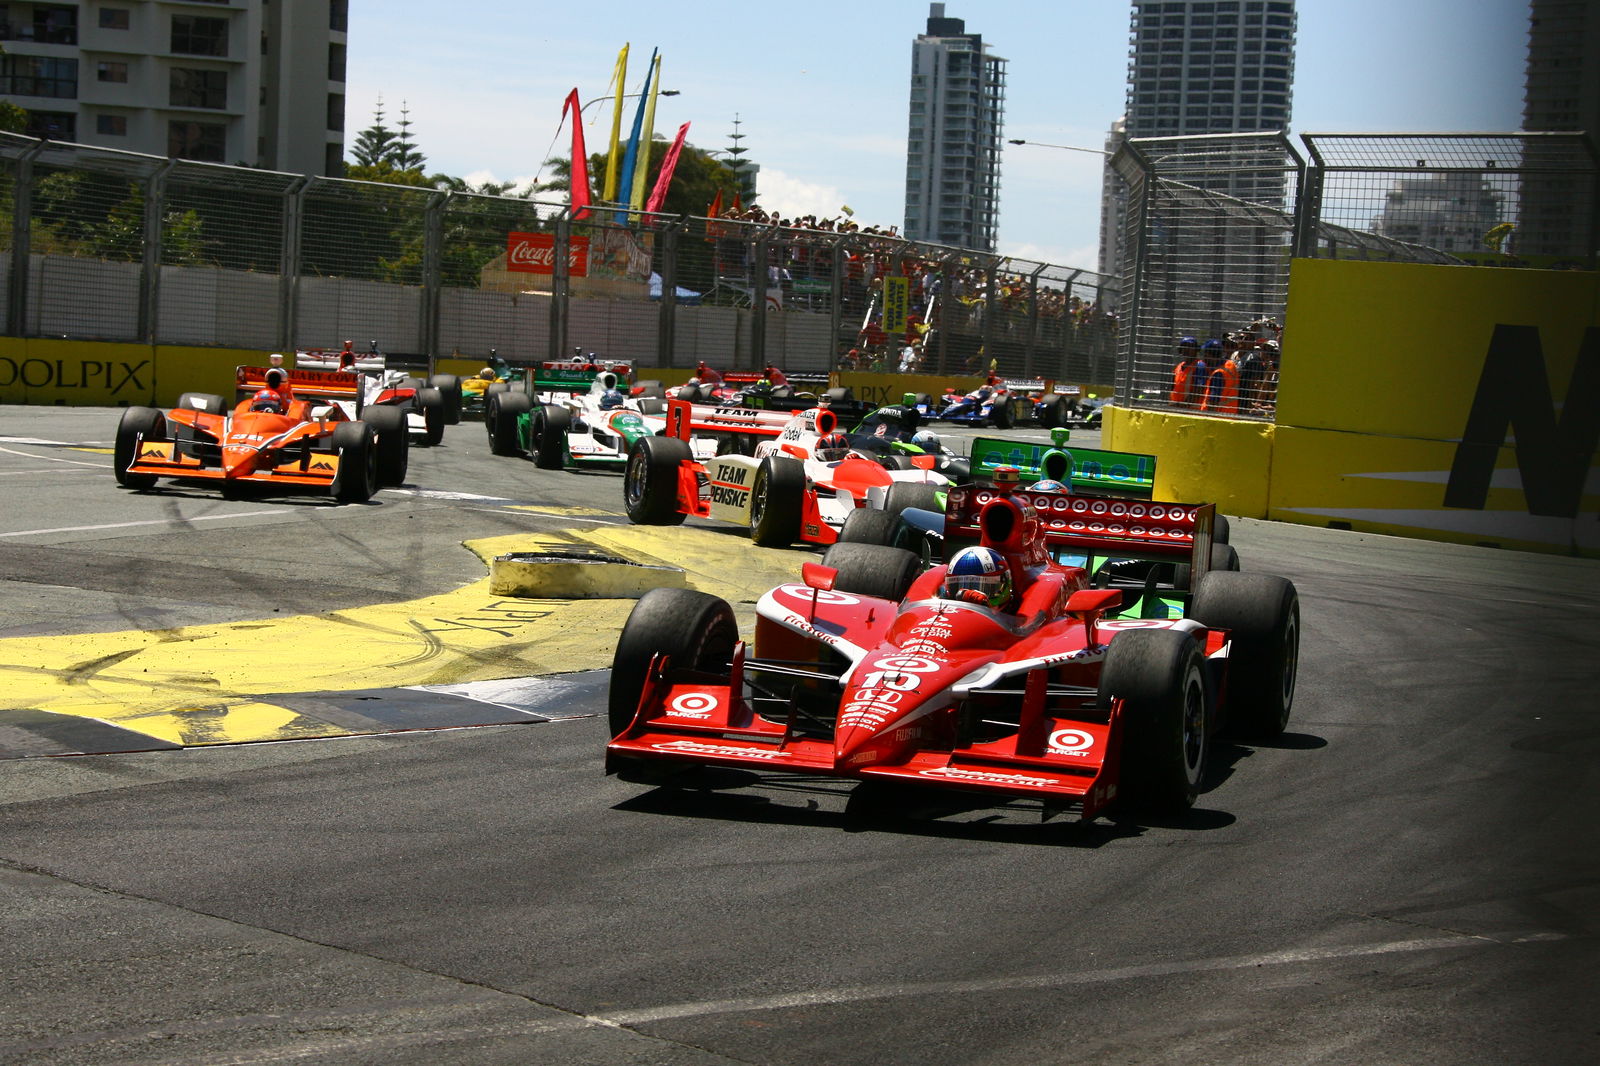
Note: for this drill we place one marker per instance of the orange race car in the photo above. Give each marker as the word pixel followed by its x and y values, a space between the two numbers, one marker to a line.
pixel 287 432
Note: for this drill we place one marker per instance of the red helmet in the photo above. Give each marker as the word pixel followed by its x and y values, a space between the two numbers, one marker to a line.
pixel 267 400
pixel 832 447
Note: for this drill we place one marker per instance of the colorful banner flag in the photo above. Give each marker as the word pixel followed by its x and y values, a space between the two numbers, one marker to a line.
pixel 631 157
pixel 896 304
pixel 580 160
pixel 715 210
pixel 619 78
pixel 641 171
pixel 669 163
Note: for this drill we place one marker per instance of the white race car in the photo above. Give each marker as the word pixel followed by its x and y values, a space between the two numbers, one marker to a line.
pixel 801 485
pixel 428 406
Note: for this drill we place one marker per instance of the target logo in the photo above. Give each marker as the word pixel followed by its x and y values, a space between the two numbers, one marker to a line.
pixel 1071 742
pixel 805 592
pixel 692 705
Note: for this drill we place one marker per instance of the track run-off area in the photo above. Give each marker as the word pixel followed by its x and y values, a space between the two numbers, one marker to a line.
pixel 285 844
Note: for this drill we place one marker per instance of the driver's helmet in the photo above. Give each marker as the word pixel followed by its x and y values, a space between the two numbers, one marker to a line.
pixel 1048 484
pixel 978 575
pixel 692 382
pixel 832 447
pixel 926 439
pixel 487 374
pixel 611 400
pixel 267 400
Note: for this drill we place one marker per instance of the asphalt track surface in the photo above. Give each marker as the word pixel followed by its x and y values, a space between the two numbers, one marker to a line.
pixel 1412 875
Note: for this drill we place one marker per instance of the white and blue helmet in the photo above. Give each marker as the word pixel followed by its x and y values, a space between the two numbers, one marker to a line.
pixel 610 400
pixel 978 575
pixel 926 439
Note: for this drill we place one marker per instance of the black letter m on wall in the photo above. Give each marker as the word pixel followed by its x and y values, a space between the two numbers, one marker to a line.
pixel 1514 392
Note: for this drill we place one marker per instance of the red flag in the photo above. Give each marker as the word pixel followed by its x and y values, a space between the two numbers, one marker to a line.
pixel 737 206
pixel 580 158
pixel 669 163
pixel 715 210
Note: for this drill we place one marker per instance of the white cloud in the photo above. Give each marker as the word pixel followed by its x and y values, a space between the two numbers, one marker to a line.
pixel 790 197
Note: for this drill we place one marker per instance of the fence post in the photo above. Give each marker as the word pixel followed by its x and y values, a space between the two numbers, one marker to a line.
pixel 294 216
pixel 432 275
pixel 666 323
pixel 1135 226
pixel 758 305
pixel 560 287
pixel 21 243
pixel 155 199
pixel 836 300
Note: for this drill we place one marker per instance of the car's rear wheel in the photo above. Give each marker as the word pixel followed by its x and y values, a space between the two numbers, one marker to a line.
pixel 872 569
pixel 393 444
pixel 866 525
pixel 695 631
pixel 1165 717
pixel 549 432
pixel 137 423
pixel 209 402
pixel 433 415
pixel 906 494
pixel 776 502
pixel 449 386
pixel 1262 615
pixel 1001 413
pixel 650 481
pixel 501 414
pixel 357 477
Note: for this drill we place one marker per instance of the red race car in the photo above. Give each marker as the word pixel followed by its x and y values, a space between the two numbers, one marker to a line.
pixel 289 432
pixel 1000 672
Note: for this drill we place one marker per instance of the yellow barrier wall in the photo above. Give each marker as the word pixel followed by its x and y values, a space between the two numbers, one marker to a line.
pixel 1198 459
pixel 90 374
pixel 1431 401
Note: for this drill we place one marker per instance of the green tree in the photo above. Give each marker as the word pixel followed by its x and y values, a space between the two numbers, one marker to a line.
pixel 377 144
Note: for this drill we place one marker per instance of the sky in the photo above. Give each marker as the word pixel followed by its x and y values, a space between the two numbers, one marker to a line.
pixel 821 89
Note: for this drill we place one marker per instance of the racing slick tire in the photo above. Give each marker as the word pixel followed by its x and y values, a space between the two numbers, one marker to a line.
pixel 867 525
pixel 775 501
pixel 1158 675
pixel 136 422
pixel 893 462
pixel 650 481
pixel 501 412
pixel 357 447
pixel 649 390
pixel 548 433
pixel 1262 615
pixel 1002 414
pixel 872 569
pixel 1223 557
pixel 189 440
pixel 906 494
pixel 695 630
pixel 433 415
pixel 652 405
pixel 393 446
pixel 1220 530
pixel 839 395
pixel 449 386
pixel 496 386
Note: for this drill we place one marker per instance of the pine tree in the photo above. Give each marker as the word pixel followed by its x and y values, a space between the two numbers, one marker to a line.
pixel 405 155
pixel 377 144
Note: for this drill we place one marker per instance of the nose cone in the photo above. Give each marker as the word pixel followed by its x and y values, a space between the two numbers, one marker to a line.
pixel 237 462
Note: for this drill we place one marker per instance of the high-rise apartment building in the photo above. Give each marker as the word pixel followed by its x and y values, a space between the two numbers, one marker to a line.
pixel 223 81
pixel 957 118
pixel 1210 66
pixel 1206 67
pixel 1561 95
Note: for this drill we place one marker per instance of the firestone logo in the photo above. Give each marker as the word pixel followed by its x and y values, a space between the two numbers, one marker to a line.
pixel 535 253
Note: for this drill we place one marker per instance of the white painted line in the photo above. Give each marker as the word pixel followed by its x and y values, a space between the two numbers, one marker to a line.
pixel 944 989
pixel 49 470
pixel 444 494
pixel 51 458
pixel 130 525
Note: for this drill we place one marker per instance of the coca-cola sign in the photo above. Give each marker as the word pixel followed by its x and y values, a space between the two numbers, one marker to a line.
pixel 535 253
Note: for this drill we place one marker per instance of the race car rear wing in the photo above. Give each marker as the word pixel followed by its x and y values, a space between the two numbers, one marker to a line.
pixel 331 384
pixel 1091 471
pixel 324 359
pixel 1095 525
pixel 685 419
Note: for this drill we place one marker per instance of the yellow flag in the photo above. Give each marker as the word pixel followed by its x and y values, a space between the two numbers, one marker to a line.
pixel 614 158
